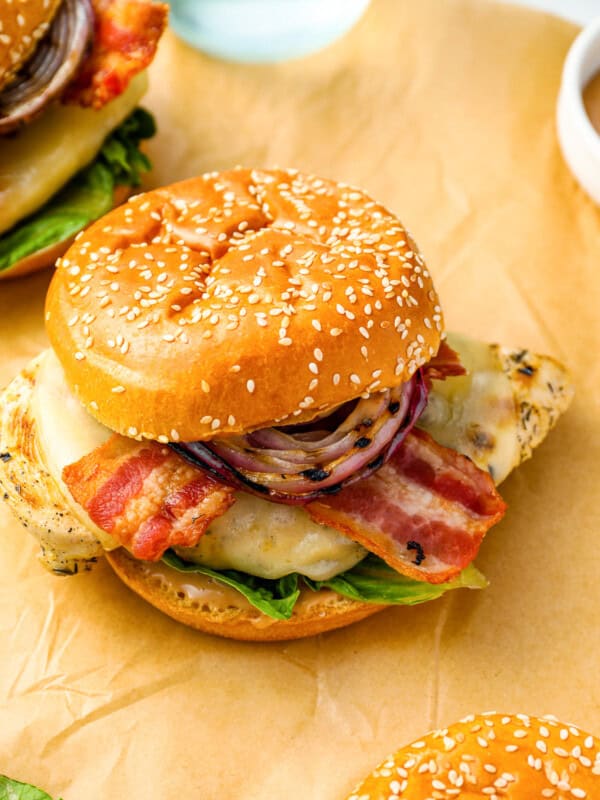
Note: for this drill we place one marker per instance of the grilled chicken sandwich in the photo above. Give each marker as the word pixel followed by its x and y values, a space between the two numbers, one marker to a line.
pixel 251 408
pixel 71 76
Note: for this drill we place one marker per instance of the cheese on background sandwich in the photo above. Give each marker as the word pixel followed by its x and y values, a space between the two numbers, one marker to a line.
pixel 71 76
pixel 250 406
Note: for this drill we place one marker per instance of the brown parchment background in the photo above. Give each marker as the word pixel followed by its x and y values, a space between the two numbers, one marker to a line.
pixel 445 111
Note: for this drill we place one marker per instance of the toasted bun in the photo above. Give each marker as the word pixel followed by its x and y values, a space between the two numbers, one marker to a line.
pixel 47 257
pixel 202 603
pixel 24 23
pixel 491 756
pixel 232 301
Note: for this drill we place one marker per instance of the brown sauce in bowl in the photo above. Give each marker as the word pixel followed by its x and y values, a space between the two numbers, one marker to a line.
pixel 591 100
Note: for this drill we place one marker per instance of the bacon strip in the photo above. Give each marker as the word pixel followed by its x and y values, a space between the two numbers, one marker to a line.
pixel 445 364
pixel 126 34
pixel 425 512
pixel 146 496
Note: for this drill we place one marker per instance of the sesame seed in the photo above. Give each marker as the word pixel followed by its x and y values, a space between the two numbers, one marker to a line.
pixel 118 389
pixel 250 386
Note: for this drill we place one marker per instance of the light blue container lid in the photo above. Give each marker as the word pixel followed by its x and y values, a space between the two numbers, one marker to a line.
pixel 263 30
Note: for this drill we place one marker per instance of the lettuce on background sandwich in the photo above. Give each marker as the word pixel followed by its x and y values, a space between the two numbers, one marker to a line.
pixel 71 76
pixel 249 405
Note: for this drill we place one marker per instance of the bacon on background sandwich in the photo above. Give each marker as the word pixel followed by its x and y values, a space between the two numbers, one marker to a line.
pixel 250 406
pixel 71 76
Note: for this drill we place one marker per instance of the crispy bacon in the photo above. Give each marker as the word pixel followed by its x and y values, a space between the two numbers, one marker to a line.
pixel 146 496
pixel 126 33
pixel 425 512
pixel 445 364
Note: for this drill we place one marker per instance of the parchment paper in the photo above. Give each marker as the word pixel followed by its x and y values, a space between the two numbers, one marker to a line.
pixel 445 111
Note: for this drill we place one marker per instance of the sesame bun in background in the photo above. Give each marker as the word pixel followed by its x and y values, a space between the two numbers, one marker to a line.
pixel 492 756
pixel 22 29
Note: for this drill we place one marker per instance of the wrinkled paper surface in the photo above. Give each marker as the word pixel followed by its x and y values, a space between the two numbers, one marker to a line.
pixel 445 112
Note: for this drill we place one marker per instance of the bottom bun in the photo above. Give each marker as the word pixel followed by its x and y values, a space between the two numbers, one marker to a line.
pixel 207 605
pixel 491 756
pixel 47 257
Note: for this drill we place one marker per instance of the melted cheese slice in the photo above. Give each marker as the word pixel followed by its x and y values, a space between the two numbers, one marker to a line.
pixel 66 432
pixel 271 540
pixel 44 155
pixel 476 413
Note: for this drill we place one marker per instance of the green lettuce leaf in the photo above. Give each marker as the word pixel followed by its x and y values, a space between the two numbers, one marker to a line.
pixel 14 790
pixel 374 582
pixel 121 152
pixel 371 581
pixel 87 196
pixel 275 598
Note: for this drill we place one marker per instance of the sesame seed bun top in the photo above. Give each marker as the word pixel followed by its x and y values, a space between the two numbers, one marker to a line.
pixel 23 25
pixel 238 300
pixel 493 756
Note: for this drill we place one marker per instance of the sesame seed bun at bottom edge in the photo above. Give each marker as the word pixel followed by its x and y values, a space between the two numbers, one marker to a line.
pixel 215 608
pixel 491 755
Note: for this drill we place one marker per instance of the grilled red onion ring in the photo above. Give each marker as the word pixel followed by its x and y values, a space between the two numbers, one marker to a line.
pixel 295 466
pixel 52 66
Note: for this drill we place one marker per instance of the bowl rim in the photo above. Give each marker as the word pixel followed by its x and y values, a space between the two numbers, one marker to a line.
pixel 575 78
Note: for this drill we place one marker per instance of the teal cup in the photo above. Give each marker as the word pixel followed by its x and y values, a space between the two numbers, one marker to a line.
pixel 258 31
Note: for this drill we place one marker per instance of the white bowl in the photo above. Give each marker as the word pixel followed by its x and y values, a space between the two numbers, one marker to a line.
pixel 579 140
